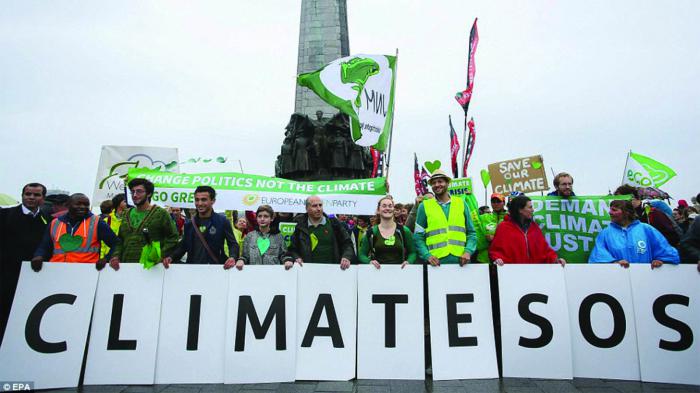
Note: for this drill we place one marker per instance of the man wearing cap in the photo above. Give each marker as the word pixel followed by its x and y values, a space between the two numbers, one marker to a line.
pixel 444 231
pixel 489 222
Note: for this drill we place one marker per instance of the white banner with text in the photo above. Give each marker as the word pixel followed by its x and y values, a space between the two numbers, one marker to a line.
pixel 204 324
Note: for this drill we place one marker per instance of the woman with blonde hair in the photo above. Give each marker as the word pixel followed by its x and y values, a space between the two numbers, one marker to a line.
pixel 387 242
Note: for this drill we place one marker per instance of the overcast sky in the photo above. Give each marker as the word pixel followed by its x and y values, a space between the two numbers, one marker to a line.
pixel 579 82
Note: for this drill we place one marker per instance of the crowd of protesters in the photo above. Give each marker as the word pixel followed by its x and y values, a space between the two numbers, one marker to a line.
pixel 437 229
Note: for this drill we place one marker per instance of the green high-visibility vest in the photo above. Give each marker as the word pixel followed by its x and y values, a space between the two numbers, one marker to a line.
pixel 445 235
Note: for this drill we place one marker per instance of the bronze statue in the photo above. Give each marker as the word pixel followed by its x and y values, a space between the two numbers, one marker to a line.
pixel 321 149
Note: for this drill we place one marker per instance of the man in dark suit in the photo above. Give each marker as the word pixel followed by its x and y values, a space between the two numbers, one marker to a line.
pixel 21 230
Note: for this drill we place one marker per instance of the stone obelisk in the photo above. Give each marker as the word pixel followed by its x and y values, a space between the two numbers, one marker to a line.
pixel 323 37
pixel 320 148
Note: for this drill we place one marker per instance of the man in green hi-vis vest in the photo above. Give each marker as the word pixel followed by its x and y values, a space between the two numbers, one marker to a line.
pixel 444 231
pixel 489 223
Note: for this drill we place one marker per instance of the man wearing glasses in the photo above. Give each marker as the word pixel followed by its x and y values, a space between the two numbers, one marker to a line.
pixel 147 232
pixel 564 186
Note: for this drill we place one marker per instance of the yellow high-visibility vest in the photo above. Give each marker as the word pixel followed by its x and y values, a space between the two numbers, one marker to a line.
pixel 445 235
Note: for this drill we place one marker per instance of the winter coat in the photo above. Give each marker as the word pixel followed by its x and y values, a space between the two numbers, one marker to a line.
pixel 275 254
pixel 218 233
pixel 512 244
pixel 661 222
pixel 690 244
pixel 161 227
pixel 489 223
pixel 300 242
pixel 637 243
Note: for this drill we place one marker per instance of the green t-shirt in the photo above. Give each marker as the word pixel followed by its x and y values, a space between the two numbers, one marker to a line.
pixel 323 251
pixel 136 217
pixel 388 250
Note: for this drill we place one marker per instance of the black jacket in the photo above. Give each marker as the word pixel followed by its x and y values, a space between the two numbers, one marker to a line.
pixel 300 243
pixel 219 231
pixel 690 244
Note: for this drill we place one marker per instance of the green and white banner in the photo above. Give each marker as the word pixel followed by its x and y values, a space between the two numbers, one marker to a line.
pixel 115 161
pixel 460 186
pixel 571 225
pixel 361 86
pixel 287 229
pixel 643 171
pixel 238 191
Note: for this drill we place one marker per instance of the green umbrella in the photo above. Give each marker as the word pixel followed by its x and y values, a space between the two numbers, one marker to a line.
pixel 6 200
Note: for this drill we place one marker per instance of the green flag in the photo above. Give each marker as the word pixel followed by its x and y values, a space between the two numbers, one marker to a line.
pixel 361 86
pixel 646 172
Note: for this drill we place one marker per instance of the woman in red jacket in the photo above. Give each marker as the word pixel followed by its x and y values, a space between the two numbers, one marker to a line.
pixel 518 238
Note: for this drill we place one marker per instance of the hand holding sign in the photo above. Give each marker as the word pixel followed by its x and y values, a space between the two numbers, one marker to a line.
pixel 524 174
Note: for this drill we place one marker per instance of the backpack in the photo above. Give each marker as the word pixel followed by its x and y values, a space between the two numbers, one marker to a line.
pixel 664 220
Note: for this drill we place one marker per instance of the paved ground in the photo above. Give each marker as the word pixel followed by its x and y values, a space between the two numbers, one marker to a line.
pixel 509 385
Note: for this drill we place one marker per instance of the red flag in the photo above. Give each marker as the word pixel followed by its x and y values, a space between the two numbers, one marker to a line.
pixel 375 160
pixel 469 149
pixel 424 176
pixel 464 97
pixel 416 176
pixel 380 166
pixel 454 149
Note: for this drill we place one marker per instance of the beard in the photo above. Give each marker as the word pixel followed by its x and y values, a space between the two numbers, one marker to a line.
pixel 141 202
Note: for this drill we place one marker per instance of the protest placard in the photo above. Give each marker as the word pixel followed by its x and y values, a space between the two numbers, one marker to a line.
pixel 44 343
pixel 556 322
pixel 287 229
pixel 239 191
pixel 326 322
pixel 535 333
pixel 601 316
pixel 461 323
pixel 571 225
pixel 667 314
pixel 460 186
pixel 524 174
pixel 125 323
pixel 115 161
pixel 193 325
pixel 261 325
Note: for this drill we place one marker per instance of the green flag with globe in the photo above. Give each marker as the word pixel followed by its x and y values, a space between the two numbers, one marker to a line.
pixel 361 86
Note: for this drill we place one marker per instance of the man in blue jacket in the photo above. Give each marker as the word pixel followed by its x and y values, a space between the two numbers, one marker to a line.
pixel 626 240
pixel 204 235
